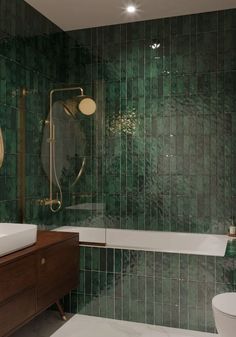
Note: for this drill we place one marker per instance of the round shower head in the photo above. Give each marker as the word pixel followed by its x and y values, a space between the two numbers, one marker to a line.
pixel 84 104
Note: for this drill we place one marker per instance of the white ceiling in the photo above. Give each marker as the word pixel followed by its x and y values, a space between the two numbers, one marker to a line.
pixel 77 14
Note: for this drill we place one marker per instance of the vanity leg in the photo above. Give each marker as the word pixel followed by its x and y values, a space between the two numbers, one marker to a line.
pixel 61 311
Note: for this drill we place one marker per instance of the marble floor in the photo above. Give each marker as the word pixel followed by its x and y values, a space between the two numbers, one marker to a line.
pixel 49 325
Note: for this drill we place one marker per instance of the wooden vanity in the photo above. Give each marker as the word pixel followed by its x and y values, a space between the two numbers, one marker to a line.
pixel 34 278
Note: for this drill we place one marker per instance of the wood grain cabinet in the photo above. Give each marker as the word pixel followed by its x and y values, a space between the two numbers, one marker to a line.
pixel 34 278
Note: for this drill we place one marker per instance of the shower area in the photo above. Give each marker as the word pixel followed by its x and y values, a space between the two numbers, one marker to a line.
pixel 52 125
pixel 70 141
pixel 75 168
pixel 51 148
pixel 67 144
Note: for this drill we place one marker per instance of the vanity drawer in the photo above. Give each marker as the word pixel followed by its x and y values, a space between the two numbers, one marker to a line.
pixel 17 276
pixel 57 273
pixel 18 310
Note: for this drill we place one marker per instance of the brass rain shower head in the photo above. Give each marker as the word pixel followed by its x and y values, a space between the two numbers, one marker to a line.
pixel 84 104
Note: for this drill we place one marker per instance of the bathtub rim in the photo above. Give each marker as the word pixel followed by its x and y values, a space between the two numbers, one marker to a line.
pixel 103 240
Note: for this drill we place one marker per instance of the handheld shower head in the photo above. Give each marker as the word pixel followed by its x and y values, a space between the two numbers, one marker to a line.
pixel 84 104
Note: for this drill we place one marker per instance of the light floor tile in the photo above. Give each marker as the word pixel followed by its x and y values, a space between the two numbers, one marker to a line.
pixel 49 325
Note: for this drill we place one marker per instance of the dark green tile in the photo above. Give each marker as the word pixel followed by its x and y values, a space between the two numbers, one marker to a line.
pixel 164 119
pixel 207 22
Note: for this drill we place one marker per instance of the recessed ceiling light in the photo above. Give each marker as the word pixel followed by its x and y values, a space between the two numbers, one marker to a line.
pixel 131 9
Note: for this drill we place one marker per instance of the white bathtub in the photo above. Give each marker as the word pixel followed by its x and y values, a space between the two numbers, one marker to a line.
pixel 169 242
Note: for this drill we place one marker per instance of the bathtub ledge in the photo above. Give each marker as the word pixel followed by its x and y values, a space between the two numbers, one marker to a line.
pixel 167 242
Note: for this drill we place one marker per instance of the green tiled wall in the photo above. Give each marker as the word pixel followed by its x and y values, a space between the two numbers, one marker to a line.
pixel 167 162
pixel 160 151
pixel 173 290
pixel 168 143
pixel 31 57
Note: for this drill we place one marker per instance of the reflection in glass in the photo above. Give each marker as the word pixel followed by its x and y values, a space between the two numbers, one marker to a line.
pixel 1 148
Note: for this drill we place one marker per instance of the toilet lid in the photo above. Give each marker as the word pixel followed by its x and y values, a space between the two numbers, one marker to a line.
pixel 225 303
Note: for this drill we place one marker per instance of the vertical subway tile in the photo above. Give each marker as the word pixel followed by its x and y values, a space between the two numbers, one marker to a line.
pixel 164 152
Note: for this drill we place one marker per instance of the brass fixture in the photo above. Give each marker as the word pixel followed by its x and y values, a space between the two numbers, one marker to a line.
pixel 80 172
pixel 25 92
pixel 87 106
pixel 48 202
pixel 82 103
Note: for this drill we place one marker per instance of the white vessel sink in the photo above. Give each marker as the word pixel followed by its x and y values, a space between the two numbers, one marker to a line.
pixel 14 236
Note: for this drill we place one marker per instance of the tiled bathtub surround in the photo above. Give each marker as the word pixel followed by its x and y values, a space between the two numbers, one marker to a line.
pixel 157 288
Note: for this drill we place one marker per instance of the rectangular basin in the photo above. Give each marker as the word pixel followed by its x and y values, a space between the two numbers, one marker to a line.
pixel 14 236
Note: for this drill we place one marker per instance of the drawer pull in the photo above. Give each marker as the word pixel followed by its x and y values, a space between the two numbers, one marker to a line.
pixel 43 261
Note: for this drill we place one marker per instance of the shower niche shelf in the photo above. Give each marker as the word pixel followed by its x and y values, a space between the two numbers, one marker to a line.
pixel 36 277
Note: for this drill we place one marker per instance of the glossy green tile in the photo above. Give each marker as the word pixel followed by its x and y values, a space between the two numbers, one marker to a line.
pixel 229 19
pixel 103 266
pixel 181 25
pixel 160 155
pixel 118 309
pixel 96 259
pixel 207 22
pixel 141 312
pixel 141 288
pixel 118 286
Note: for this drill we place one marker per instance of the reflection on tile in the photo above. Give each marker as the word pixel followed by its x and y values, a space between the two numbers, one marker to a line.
pixel 47 325
pixel 151 287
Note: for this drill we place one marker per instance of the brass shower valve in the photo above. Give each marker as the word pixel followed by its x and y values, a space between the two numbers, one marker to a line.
pixel 48 202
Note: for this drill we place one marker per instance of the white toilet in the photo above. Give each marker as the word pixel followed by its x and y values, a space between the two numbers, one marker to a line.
pixel 224 309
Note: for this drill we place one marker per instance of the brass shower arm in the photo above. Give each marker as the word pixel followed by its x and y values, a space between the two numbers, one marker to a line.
pixel 51 102
pixel 68 89
pixel 65 89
